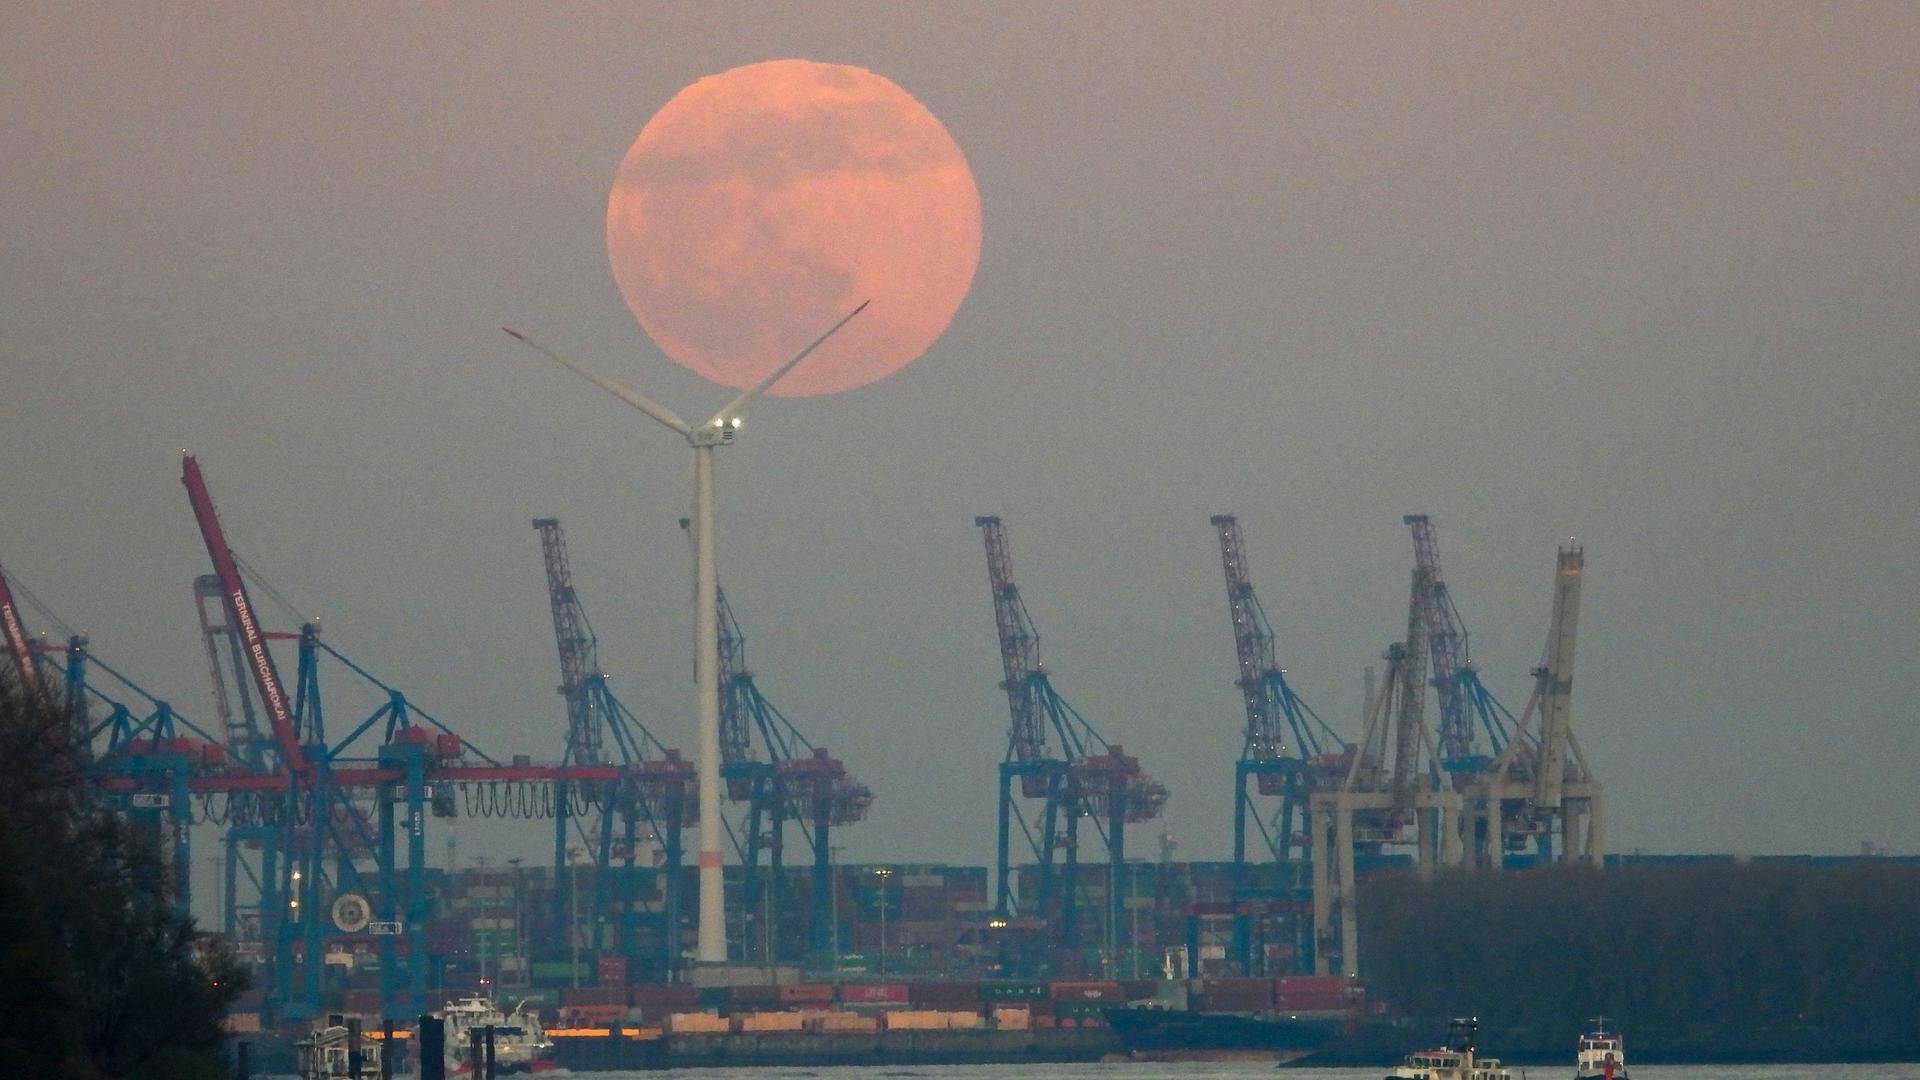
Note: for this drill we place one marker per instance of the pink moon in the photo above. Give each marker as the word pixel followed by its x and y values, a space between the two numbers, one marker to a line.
pixel 763 203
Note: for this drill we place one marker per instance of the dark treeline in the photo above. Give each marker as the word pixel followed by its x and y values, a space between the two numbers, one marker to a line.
pixel 1719 961
pixel 98 976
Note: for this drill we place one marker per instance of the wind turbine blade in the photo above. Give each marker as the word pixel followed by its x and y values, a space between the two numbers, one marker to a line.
pixel 733 407
pixel 632 397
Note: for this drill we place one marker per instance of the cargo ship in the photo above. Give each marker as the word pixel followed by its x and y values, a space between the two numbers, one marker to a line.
pixel 1236 1019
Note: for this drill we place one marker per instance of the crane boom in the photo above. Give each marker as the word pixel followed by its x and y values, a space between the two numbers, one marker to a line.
pixel 1446 644
pixel 1556 682
pixel 16 636
pixel 266 678
pixel 1253 640
pixel 578 648
pixel 1019 646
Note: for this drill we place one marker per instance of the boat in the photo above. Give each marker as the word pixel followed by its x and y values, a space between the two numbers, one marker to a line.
pixel 519 1043
pixel 1458 1060
pixel 1156 1031
pixel 327 1054
pixel 1602 1055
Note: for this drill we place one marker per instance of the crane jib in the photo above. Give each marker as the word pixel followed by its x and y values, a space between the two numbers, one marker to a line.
pixel 240 611
pixel 17 639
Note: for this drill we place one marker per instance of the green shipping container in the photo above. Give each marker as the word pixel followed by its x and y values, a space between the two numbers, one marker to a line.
pixel 1013 991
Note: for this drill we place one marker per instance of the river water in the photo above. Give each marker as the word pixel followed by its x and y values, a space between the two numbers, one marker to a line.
pixel 1246 1070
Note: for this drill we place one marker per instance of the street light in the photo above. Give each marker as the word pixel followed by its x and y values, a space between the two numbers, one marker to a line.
pixel 712 941
pixel 883 874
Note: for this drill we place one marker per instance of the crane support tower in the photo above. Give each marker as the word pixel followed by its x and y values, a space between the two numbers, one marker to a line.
pixel 1393 793
pixel 1089 777
pixel 1287 753
pixel 1540 785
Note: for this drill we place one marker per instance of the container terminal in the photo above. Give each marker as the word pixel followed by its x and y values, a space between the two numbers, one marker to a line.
pixel 324 819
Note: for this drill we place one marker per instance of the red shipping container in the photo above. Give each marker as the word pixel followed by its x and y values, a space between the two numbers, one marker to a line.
pixel 593 995
pixel 754 995
pixel 1085 991
pixel 613 971
pixel 807 994
pixel 671 997
pixel 874 993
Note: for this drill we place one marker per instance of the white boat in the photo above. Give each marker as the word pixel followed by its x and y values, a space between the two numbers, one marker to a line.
pixel 1458 1060
pixel 519 1043
pixel 1603 1055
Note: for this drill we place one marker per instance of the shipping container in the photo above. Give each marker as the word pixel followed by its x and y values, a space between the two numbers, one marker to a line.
pixel 594 995
pixel 874 993
pixel 1086 991
pixel 945 995
pixel 612 971
pixel 770 1021
pixel 843 1022
pixel 1012 1019
pixel 699 1023
pixel 754 995
pixel 666 997
pixel 1013 991
pixel 807 994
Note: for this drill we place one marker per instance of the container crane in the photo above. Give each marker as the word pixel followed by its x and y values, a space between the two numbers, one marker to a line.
pixel 1393 793
pixel 1541 783
pixel 1287 753
pixel 791 780
pixel 342 812
pixel 649 794
pixel 1089 777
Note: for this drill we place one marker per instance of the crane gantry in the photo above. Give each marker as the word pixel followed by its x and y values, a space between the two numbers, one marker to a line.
pixel 1089 777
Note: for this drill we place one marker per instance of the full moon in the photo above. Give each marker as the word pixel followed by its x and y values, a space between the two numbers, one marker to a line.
pixel 763 203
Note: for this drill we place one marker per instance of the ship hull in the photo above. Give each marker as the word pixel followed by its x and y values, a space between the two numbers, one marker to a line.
pixel 1180 1035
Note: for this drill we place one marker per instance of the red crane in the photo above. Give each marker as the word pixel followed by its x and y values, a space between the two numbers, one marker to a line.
pixel 16 635
pixel 233 595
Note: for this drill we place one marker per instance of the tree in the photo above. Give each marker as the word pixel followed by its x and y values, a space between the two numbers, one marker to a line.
pixel 99 978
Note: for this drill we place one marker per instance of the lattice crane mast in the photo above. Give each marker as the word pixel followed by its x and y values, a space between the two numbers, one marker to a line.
pixel 1448 646
pixel 1090 777
pixel 578 647
pixel 1287 752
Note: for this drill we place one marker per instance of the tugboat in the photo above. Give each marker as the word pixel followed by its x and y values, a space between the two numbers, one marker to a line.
pixel 519 1044
pixel 1459 1060
pixel 1603 1056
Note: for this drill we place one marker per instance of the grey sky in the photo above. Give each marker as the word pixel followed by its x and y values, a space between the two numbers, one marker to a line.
pixel 1644 274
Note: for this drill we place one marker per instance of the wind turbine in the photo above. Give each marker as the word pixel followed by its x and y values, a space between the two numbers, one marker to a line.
pixel 712 941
